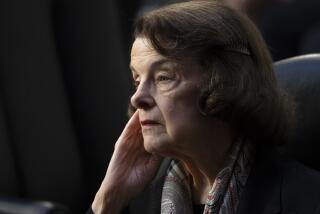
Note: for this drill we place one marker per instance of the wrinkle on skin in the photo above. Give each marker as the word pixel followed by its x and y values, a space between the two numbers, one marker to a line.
pixel 201 143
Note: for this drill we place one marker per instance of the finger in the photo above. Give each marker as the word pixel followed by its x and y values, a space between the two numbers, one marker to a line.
pixel 133 125
pixel 133 121
pixel 132 130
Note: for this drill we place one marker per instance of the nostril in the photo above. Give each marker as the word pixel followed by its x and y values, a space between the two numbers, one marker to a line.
pixel 144 105
pixel 141 101
pixel 142 98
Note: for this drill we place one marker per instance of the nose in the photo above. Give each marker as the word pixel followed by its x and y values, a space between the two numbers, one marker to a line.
pixel 142 98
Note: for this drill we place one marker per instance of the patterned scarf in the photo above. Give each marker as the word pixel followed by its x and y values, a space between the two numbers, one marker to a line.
pixel 223 198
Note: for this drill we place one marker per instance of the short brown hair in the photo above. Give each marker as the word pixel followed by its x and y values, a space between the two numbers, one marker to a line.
pixel 241 87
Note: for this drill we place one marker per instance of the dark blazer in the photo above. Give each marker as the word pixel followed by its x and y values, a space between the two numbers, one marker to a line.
pixel 276 185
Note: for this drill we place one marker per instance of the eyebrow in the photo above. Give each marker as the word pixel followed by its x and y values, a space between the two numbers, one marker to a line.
pixel 153 66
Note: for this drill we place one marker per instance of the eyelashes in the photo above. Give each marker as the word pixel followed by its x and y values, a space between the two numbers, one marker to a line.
pixel 163 79
pixel 159 80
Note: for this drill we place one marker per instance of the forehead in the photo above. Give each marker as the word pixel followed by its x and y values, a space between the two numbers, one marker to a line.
pixel 144 57
pixel 143 54
pixel 142 46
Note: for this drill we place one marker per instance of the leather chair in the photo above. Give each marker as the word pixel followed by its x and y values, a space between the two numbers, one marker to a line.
pixel 300 77
pixel 22 206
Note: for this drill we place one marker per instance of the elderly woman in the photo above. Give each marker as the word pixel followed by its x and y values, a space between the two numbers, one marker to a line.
pixel 208 114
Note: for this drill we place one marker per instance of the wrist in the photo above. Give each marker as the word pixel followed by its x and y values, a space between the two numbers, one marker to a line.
pixel 108 202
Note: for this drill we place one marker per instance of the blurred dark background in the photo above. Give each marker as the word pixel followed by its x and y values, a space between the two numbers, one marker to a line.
pixel 64 89
pixel 65 86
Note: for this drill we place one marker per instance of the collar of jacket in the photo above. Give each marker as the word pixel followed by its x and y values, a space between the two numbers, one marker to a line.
pixel 149 202
pixel 262 194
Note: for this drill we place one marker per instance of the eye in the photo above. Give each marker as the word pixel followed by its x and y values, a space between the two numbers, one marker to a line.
pixel 163 78
pixel 166 80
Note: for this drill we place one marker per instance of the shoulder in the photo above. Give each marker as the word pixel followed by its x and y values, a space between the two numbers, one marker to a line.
pixel 295 172
pixel 300 186
pixel 284 183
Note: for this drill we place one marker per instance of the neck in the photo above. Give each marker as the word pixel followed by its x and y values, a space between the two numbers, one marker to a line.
pixel 204 163
pixel 204 172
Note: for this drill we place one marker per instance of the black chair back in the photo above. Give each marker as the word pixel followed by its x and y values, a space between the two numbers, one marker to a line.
pixel 300 76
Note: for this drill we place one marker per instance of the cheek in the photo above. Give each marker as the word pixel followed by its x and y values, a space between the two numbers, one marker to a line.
pixel 179 110
pixel 180 116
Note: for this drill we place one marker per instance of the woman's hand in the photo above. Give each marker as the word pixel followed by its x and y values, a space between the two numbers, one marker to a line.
pixel 130 170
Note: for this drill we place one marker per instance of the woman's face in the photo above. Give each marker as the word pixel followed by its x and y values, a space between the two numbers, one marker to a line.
pixel 166 98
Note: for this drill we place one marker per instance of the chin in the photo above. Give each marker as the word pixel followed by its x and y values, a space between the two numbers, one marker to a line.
pixel 151 147
pixel 160 147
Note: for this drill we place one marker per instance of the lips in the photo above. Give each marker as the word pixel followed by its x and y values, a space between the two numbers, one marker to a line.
pixel 149 123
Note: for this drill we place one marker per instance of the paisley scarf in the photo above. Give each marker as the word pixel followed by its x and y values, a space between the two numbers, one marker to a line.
pixel 225 194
